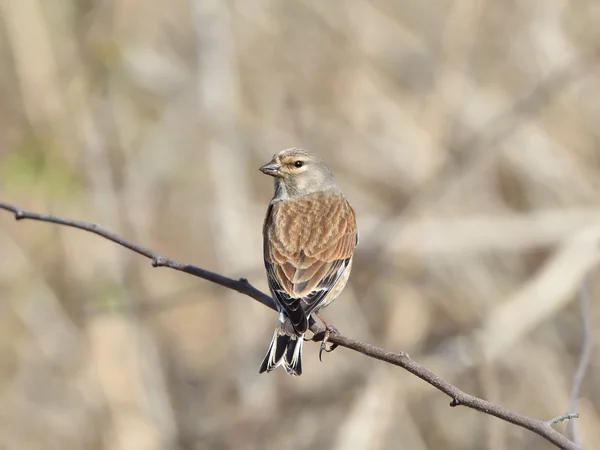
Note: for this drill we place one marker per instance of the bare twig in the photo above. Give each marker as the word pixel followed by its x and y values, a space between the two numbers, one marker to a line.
pixel 563 418
pixel 241 285
pixel 401 359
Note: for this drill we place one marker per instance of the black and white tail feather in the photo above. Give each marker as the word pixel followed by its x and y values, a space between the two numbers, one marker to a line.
pixel 285 349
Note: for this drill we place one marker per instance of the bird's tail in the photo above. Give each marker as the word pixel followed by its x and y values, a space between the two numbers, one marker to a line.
pixel 285 349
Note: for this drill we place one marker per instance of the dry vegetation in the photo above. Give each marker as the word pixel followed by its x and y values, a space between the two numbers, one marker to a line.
pixel 465 133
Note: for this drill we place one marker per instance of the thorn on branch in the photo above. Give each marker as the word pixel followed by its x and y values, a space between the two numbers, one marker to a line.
pixel 455 402
pixel 159 261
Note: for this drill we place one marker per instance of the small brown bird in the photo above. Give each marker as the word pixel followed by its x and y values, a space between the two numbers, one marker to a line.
pixel 309 238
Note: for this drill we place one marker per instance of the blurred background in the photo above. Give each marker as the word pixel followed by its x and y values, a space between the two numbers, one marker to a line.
pixel 465 133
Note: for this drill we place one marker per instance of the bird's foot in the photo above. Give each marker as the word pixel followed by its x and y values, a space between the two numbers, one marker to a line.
pixel 329 330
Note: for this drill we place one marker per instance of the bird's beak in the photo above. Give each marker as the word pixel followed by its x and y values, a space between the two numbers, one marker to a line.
pixel 271 168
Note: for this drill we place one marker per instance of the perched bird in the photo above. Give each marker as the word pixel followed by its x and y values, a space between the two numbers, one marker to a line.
pixel 309 238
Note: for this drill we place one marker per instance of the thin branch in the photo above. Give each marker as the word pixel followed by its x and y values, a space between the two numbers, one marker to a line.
pixel 241 285
pixel 540 427
pixel 459 398
pixel 563 418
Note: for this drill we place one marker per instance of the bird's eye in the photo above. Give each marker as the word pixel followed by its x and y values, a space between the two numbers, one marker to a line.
pixel 299 164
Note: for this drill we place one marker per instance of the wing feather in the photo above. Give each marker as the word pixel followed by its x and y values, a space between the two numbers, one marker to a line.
pixel 308 245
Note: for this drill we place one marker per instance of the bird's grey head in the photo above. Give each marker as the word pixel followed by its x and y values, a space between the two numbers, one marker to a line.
pixel 298 172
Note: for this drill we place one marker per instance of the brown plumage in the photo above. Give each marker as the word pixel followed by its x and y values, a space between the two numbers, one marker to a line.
pixel 309 239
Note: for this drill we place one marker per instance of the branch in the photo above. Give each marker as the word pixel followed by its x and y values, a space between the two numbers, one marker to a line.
pixel 459 398
pixel 242 285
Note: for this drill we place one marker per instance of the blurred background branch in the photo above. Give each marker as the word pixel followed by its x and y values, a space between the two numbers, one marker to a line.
pixel 587 347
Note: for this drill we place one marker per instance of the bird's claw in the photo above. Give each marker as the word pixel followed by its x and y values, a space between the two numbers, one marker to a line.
pixel 329 330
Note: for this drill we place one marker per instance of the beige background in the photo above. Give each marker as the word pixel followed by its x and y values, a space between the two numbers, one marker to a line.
pixel 465 133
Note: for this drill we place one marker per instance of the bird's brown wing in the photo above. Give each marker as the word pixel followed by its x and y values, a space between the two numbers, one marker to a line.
pixel 309 243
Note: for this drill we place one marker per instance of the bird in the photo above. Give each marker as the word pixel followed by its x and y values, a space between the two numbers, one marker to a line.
pixel 309 238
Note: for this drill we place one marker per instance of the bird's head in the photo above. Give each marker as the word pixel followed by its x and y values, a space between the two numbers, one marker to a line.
pixel 298 172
